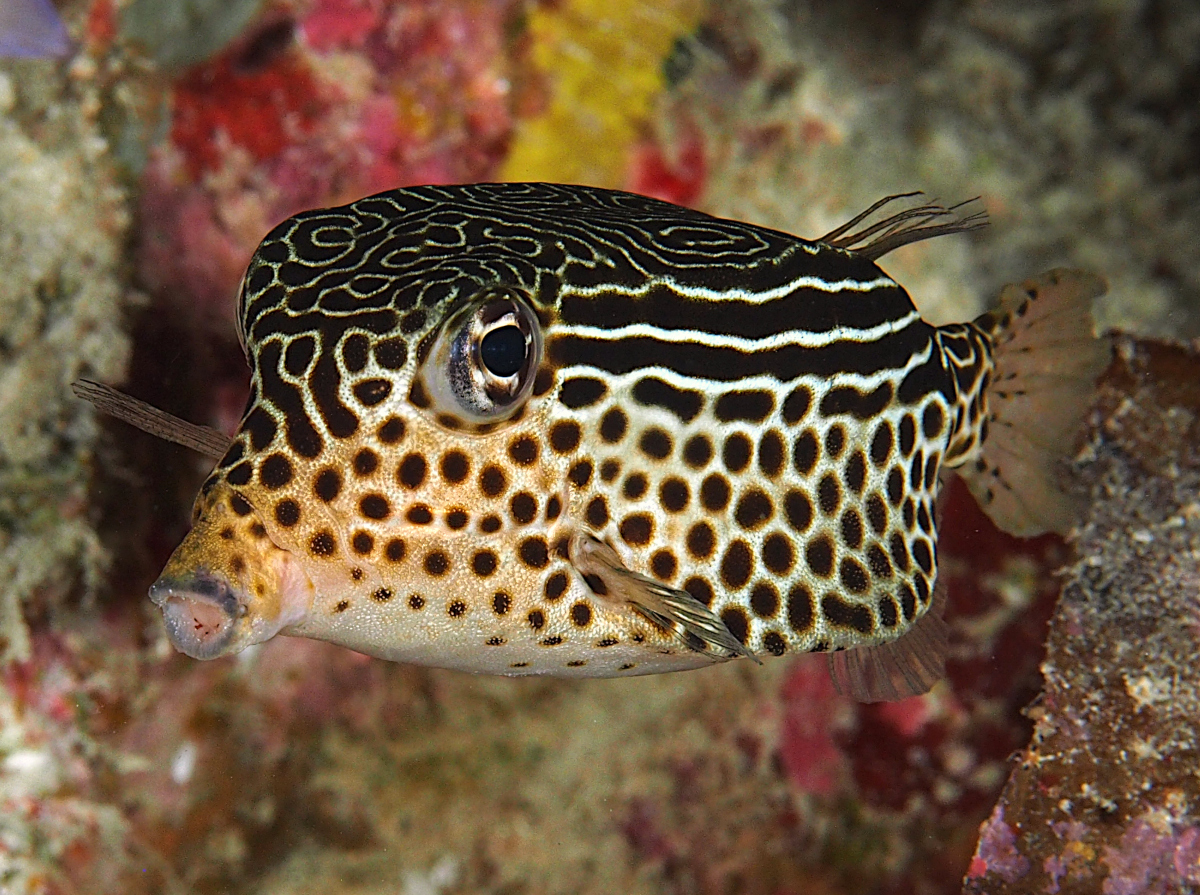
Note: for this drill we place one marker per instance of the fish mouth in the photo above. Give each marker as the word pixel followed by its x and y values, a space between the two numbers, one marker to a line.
pixel 200 612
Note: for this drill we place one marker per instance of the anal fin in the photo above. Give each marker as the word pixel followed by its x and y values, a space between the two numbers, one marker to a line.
pixel 695 625
pixel 907 666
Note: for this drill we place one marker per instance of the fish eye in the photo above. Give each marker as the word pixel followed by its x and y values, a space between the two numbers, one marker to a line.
pixel 502 350
pixel 484 358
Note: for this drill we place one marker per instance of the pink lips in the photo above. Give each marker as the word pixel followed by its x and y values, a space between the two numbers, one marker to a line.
pixel 200 613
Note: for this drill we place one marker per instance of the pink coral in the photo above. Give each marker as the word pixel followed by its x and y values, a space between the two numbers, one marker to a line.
pixel 1186 859
pixel 807 748
pixel 1147 860
pixel 253 144
pixel 997 852
pixel 908 717
pixel 340 24
pixel 186 251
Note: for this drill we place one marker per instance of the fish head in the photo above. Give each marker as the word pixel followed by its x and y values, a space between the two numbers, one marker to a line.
pixel 228 585
pixel 426 467
pixel 393 453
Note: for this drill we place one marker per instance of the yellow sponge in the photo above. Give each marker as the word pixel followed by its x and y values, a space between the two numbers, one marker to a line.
pixel 603 60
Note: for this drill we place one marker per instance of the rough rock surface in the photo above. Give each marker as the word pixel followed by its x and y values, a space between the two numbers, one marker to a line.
pixel 62 226
pixel 1106 798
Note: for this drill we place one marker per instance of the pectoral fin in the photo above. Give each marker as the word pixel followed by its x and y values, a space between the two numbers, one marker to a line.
pixel 665 607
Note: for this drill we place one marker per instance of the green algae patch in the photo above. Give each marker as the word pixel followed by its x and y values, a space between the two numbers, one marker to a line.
pixel 181 33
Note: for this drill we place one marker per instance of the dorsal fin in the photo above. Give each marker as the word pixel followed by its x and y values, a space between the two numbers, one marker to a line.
pixel 903 227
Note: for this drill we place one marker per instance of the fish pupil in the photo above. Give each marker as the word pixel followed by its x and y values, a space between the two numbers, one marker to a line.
pixel 503 350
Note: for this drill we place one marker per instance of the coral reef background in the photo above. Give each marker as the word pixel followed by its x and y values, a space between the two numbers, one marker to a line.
pixel 140 167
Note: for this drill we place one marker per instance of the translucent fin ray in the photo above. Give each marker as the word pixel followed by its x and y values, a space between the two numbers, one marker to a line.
pixel 201 439
pixel 903 227
pixel 1046 362
pixel 693 623
pixel 907 666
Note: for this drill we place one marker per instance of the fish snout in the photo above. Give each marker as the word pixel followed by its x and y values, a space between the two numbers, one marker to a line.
pixel 201 612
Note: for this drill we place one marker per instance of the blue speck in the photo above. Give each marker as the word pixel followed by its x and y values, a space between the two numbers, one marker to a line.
pixel 32 29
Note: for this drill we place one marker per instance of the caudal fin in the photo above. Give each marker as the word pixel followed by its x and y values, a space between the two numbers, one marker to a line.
pixel 1046 364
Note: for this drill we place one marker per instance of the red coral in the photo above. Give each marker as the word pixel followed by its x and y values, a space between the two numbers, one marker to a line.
pixel 101 25
pixel 261 111
pixel 891 766
pixel 679 180
pixel 897 750
pixel 972 552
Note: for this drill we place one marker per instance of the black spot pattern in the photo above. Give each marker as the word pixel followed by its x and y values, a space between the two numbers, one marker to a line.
pixel 736 452
pixel 582 392
pixel 805 452
pixel 411 472
pixel 565 436
pixel 799 511
pixel 810 479
pixel 436 563
pixel 697 451
pixel 771 454
pixel 673 495
pixel 749 406
pixel 455 467
pixel 654 392
pixel 655 443
pixel 715 493
pixel 275 472
pixel 613 426
pixel 327 485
